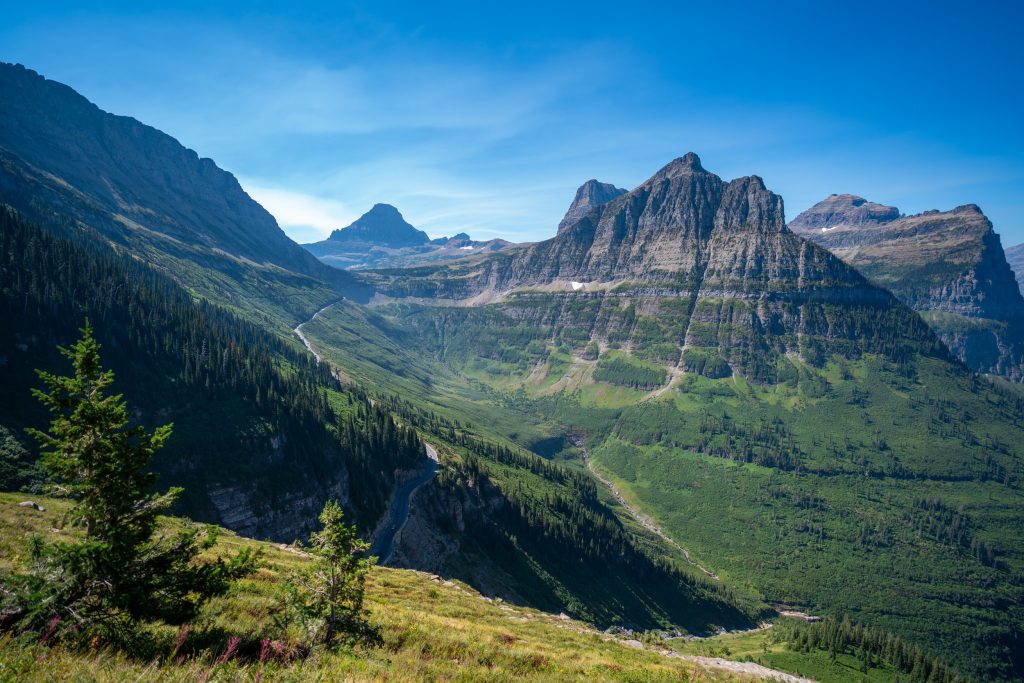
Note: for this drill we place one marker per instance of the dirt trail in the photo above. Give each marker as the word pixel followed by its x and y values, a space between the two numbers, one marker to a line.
pixel 642 519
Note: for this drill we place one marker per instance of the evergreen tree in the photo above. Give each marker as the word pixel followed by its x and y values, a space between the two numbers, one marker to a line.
pixel 327 597
pixel 118 573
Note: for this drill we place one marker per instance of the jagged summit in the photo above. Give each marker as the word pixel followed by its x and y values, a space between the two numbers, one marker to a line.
pixel 589 195
pixel 382 224
pixel 688 163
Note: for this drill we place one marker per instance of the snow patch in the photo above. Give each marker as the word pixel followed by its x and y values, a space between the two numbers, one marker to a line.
pixel 576 286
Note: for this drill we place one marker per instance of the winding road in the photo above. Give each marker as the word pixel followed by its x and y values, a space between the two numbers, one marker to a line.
pixel 398 514
pixel 305 340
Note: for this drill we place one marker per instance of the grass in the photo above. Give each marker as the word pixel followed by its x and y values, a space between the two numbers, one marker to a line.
pixel 431 630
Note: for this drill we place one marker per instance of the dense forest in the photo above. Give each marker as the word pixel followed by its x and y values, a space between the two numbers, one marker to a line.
pixel 249 407
pixel 872 646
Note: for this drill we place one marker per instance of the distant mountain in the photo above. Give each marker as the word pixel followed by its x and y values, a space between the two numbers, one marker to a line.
pixel 589 195
pixel 383 225
pixel 141 190
pixel 381 238
pixel 843 210
pixel 1015 257
pixel 947 265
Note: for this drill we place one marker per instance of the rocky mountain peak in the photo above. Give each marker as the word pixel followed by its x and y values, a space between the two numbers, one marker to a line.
pixel 383 224
pixel 589 195
pixel 843 209
pixel 687 164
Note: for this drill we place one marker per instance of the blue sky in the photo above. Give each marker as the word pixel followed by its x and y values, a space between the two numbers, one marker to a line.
pixel 484 118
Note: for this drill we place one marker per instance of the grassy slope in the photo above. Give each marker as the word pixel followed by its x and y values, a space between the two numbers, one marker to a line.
pixel 430 629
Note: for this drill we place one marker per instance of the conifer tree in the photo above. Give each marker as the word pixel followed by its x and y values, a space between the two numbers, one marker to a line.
pixel 327 597
pixel 118 573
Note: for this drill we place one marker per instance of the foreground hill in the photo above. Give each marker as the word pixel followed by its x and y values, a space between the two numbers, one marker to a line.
pixel 949 266
pixel 793 426
pixel 430 629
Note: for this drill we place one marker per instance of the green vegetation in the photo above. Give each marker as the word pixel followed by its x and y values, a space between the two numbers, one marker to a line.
pixel 798 479
pixel 871 646
pixel 254 412
pixel 327 596
pixel 431 629
pixel 627 372
pixel 117 574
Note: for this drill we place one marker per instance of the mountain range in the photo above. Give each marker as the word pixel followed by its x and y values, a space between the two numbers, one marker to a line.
pixel 678 413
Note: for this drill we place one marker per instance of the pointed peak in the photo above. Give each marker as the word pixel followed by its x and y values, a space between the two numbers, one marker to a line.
pixel 382 224
pixel 689 163
pixel 590 194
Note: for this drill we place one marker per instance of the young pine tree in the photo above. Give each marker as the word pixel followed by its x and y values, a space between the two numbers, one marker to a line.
pixel 118 573
pixel 327 597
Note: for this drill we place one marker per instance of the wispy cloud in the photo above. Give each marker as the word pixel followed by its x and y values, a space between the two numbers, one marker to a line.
pixel 302 215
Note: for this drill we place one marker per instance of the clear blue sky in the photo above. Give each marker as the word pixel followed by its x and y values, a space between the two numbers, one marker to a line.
pixel 484 117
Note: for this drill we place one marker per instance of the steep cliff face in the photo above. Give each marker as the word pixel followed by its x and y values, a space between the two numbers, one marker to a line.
pixel 589 195
pixel 947 265
pixel 138 187
pixel 1015 257
pixel 684 262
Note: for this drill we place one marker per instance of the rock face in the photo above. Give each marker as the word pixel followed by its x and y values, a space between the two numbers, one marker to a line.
pixel 589 195
pixel 381 238
pixel 686 263
pixel 1015 257
pixel 947 265
pixel 137 186
pixel 384 225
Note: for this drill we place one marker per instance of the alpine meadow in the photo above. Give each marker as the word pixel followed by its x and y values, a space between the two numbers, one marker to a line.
pixel 398 403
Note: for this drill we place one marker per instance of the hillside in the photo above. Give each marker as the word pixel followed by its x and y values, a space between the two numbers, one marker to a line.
pixel 949 266
pixel 794 427
pixel 71 167
pixel 263 435
pixel 430 628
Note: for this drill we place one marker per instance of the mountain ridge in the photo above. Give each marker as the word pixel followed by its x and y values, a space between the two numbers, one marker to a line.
pixel 948 265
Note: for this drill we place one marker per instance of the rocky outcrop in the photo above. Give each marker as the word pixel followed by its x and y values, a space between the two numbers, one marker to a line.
pixel 589 195
pixel 1015 257
pixel 136 186
pixel 948 265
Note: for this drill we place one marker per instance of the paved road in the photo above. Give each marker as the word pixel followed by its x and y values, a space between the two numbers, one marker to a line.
pixel 305 340
pixel 398 514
